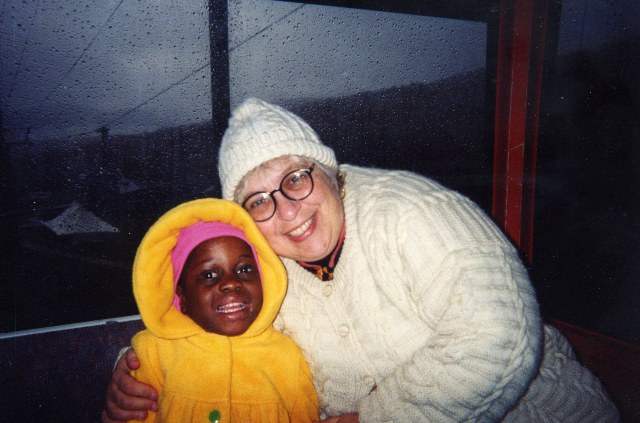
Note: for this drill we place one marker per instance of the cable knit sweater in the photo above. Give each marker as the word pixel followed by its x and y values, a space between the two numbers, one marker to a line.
pixel 431 317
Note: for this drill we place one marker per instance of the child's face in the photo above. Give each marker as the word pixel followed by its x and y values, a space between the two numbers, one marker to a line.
pixel 222 290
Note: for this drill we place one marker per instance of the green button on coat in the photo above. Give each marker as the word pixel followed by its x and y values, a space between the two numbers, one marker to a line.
pixel 215 416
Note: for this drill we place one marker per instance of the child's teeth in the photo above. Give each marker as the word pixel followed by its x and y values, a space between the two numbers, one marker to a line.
pixel 230 308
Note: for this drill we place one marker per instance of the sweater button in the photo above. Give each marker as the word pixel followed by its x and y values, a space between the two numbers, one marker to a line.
pixel 343 330
pixel 369 381
pixel 327 289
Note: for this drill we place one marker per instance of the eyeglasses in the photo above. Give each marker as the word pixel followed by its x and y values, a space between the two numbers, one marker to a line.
pixel 296 185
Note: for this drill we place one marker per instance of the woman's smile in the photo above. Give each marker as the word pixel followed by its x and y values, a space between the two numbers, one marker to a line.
pixel 302 229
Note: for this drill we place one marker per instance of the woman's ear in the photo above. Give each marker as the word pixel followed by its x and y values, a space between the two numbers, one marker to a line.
pixel 180 292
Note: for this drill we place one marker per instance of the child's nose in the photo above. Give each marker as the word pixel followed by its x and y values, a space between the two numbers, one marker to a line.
pixel 230 283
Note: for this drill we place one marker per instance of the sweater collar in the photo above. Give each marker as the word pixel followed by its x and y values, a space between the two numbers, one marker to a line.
pixel 323 268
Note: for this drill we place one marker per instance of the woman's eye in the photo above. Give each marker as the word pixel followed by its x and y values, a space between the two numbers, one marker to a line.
pixel 297 180
pixel 294 179
pixel 261 201
pixel 257 203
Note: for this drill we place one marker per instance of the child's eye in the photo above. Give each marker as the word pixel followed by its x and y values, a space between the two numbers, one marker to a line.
pixel 208 275
pixel 246 270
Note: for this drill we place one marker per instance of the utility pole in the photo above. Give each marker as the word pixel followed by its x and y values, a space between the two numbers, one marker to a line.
pixel 220 98
pixel 8 195
pixel 8 224
pixel 104 132
pixel 219 51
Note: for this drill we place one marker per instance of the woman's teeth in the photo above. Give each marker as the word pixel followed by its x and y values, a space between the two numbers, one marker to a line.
pixel 231 307
pixel 301 229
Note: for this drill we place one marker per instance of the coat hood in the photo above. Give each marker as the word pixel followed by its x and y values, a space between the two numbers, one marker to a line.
pixel 153 278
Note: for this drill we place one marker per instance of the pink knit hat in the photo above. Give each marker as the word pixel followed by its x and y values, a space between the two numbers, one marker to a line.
pixel 191 236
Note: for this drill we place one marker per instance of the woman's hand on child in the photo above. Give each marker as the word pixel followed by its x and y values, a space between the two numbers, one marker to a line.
pixel 128 399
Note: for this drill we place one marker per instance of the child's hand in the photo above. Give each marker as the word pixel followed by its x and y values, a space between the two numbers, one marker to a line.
pixel 345 418
pixel 127 398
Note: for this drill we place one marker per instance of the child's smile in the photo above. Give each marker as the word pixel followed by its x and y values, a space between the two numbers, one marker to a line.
pixel 221 288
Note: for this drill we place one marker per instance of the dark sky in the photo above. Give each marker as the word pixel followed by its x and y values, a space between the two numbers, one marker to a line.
pixel 71 66
pixel 318 51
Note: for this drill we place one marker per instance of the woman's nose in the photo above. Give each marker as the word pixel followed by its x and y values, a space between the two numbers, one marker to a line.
pixel 287 209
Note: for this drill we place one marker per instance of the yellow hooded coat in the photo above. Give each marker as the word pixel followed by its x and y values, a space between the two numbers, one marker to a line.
pixel 259 376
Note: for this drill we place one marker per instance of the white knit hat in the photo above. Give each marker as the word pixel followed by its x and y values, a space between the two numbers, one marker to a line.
pixel 258 132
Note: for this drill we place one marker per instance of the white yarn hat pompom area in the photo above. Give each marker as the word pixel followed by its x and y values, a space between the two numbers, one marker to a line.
pixel 259 132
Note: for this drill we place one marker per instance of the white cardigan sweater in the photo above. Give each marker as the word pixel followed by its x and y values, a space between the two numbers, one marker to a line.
pixel 431 317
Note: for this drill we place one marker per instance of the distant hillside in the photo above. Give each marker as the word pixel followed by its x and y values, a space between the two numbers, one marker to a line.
pixel 434 129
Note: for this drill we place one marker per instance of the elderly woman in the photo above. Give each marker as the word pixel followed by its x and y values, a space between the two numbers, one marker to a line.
pixel 407 302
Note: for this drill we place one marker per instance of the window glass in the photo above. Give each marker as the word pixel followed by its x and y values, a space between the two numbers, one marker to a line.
pixel 106 115
pixel 587 227
pixel 383 89
pixel 106 123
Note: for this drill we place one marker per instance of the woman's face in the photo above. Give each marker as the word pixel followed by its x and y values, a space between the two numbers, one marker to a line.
pixel 304 230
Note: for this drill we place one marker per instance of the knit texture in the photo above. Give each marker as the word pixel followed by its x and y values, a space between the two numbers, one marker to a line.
pixel 563 390
pixel 258 132
pixel 430 316
pixel 259 376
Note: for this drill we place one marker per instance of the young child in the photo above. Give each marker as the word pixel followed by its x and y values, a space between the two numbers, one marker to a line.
pixel 208 287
